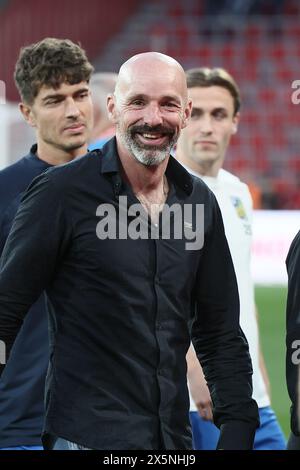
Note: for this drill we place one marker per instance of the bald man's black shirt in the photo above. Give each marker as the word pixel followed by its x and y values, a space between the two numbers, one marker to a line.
pixel 121 311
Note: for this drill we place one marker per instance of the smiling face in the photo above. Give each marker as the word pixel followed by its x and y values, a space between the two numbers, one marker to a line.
pixel 149 108
pixel 62 117
pixel 203 144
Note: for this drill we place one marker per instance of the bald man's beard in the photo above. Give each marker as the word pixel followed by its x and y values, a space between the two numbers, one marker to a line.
pixel 148 155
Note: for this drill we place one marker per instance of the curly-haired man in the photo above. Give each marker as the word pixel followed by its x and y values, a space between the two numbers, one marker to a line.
pixel 52 77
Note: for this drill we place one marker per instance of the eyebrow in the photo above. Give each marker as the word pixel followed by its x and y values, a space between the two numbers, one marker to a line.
pixel 220 108
pixel 141 96
pixel 214 110
pixel 172 98
pixel 60 95
pixel 138 96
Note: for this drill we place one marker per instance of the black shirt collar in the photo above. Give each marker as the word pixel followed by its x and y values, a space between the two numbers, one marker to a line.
pixel 175 171
pixel 33 149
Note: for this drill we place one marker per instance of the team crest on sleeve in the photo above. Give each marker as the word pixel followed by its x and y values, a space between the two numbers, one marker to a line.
pixel 239 208
pixel 241 213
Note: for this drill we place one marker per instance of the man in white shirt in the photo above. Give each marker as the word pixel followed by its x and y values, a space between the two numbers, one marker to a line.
pixel 201 148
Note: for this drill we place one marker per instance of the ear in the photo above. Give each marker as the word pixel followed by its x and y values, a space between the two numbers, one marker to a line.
pixel 187 114
pixel 235 123
pixel 27 113
pixel 111 108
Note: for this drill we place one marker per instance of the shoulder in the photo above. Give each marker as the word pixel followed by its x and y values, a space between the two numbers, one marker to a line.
pixel 199 184
pixel 190 183
pixel 203 195
pixel 18 175
pixel 13 170
pixel 67 175
pixel 74 167
pixel 60 183
pixel 228 179
pixel 202 190
pixel 13 180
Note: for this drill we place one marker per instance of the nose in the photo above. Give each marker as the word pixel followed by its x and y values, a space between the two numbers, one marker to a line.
pixel 71 108
pixel 153 115
pixel 206 125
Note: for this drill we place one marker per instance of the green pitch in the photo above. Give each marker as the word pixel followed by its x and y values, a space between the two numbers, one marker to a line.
pixel 271 307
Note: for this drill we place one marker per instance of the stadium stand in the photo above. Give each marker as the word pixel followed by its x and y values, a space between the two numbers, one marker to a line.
pixel 91 24
pixel 262 52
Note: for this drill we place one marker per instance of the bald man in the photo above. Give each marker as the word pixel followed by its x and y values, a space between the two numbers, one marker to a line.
pixel 131 252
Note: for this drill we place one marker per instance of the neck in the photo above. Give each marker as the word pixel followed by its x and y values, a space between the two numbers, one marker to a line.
pixel 203 168
pixel 57 156
pixel 143 179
